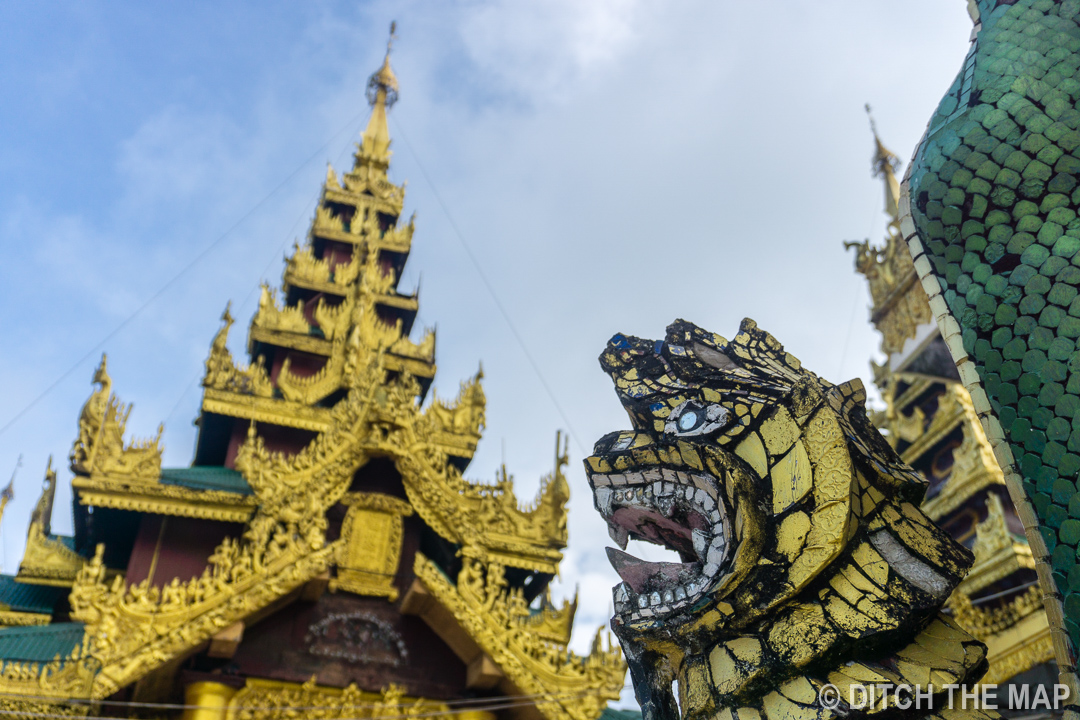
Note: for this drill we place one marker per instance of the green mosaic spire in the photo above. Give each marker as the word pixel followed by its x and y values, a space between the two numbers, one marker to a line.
pixel 992 196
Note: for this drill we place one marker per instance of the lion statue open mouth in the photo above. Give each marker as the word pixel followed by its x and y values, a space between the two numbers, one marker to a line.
pixel 805 560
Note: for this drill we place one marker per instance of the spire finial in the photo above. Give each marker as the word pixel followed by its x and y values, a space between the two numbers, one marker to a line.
pixel 885 164
pixel 383 86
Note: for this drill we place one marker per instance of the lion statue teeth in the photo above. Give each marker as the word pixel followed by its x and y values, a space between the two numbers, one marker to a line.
pixel 805 560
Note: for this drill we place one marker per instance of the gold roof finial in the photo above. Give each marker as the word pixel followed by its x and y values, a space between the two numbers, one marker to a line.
pixel 885 164
pixel 382 93
pixel 383 85
pixel 8 492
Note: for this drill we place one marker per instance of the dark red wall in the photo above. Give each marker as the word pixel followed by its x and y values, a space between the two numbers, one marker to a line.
pixel 186 547
pixel 345 638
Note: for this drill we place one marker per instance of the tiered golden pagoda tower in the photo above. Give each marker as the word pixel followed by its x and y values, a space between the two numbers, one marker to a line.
pixel 323 557
pixel 929 419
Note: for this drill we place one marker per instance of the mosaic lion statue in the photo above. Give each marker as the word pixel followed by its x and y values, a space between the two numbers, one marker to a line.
pixel 805 559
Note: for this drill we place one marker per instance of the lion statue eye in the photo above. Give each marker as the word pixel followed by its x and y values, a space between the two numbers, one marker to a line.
pixel 696 418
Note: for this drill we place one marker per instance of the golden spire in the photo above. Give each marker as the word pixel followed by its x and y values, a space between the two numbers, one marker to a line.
pixel 43 511
pixel 382 93
pixel 8 492
pixel 885 165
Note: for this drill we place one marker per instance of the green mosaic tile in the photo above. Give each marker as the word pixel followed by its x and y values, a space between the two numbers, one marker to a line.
pixel 995 195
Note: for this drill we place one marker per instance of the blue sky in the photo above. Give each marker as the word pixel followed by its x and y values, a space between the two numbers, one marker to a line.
pixel 613 165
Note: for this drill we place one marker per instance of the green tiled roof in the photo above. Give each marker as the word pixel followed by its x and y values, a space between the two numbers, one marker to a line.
pixel 209 477
pixel 66 540
pixel 24 597
pixel 41 643
pixel 615 714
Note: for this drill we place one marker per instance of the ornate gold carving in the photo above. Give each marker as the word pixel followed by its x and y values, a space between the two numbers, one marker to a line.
pixel 270 317
pixel 334 320
pixel 46 560
pixel 398 238
pixel 100 445
pixel 900 304
pixel 423 351
pixel 552 623
pixel 974 466
pixel 303 268
pixel 325 219
pixel 992 534
pixel 1018 648
pixel 223 374
pixel 163 499
pixel 268 410
pixel 465 416
pixel 268 699
pixel 13 618
pixel 952 407
pixel 495 617
pixel 310 390
pixel 984 623
pixel 331 178
pixel 370 548
pixel 488 516
pixel 49 686
pixel 133 630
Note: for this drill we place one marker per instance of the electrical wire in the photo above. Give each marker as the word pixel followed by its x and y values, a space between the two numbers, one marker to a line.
pixel 262 276
pixel 490 288
pixel 453 706
pixel 183 271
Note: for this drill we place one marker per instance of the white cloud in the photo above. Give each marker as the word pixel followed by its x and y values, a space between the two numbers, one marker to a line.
pixel 539 49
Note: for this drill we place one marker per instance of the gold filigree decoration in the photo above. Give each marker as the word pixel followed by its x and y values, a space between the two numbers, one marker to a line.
pixel 423 351
pixel 223 374
pixel 487 516
pixel 1019 648
pixel 49 687
pixel 100 445
pixel 992 534
pixel 984 623
pixel 952 406
pixel 48 561
pixel 399 238
pixel 313 388
pixel 900 304
pixel 496 618
pixel 13 618
pixel 466 415
pixel 303 267
pixel 268 700
pixel 974 466
pixel 334 320
pixel 270 317
pixel 370 548
pixel 132 630
pixel 326 219
pixel 346 273
pixel 553 623
pixel 331 178
pixel 887 269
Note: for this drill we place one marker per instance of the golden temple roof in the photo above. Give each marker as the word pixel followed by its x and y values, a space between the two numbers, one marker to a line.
pixel 333 368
